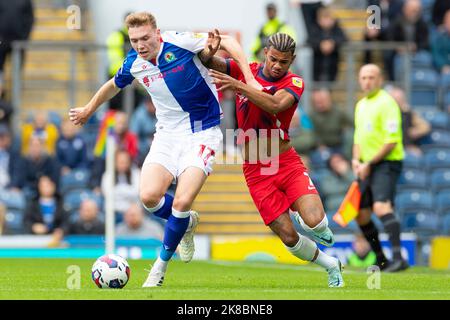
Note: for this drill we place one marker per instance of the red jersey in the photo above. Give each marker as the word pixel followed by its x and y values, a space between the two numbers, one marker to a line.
pixel 249 116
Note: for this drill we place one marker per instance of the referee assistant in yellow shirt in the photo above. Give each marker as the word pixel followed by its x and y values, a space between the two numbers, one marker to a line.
pixel 377 162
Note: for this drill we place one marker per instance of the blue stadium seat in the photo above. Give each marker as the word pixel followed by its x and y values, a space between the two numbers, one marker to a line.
pixel 414 200
pixel 437 118
pixel 442 201
pixel 413 178
pixel 14 221
pixel 73 199
pixel 421 221
pixel 422 59
pixel 76 179
pixel 14 200
pixel 413 161
pixel 440 137
pixel 446 100
pixel 424 85
pixel 437 159
pixel 446 223
pixel 440 179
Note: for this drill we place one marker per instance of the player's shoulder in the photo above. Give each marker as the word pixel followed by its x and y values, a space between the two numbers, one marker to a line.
pixel 131 57
pixel 292 79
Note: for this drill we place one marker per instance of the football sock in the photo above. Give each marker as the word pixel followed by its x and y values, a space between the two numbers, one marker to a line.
pixel 370 232
pixel 320 227
pixel 392 228
pixel 173 233
pixel 307 250
pixel 164 208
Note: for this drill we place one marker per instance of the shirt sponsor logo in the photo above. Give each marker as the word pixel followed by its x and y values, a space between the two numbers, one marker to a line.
pixel 147 80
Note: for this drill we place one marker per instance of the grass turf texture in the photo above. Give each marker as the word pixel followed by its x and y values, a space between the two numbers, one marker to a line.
pixel 47 279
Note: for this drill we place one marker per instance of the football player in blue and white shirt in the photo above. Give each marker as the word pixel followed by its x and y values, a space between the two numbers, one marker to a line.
pixel 187 134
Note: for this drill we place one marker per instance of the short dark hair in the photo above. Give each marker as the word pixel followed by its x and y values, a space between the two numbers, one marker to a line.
pixel 282 42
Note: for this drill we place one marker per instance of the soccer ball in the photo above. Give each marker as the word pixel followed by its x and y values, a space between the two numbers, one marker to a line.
pixel 111 271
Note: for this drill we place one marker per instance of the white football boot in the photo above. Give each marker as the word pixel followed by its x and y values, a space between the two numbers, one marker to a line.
pixel 187 246
pixel 155 278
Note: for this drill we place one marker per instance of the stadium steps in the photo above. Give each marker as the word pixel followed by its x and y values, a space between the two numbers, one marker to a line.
pixel 46 74
pixel 225 205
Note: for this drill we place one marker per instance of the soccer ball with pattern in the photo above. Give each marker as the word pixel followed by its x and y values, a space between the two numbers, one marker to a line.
pixel 111 271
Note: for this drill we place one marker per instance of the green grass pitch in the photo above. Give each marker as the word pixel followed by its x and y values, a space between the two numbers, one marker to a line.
pixel 211 280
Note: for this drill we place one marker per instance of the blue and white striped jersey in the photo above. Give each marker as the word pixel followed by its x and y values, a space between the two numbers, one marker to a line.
pixel 182 91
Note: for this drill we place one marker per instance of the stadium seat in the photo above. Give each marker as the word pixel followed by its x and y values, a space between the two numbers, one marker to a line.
pixel 14 200
pixel 73 199
pixel 442 201
pixel 446 223
pixel 437 159
pixel 424 84
pixel 421 221
pixel 413 178
pixel 413 161
pixel 437 118
pixel 422 59
pixel 406 200
pixel 76 179
pixel 14 221
pixel 441 137
pixel 440 179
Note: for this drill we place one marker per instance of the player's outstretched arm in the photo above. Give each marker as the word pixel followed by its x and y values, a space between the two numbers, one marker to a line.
pixel 230 45
pixel 80 116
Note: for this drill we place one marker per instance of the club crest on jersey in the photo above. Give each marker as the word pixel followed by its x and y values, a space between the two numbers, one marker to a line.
pixel 169 57
pixel 298 82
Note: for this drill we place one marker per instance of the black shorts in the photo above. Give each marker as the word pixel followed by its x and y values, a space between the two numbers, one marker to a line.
pixel 381 185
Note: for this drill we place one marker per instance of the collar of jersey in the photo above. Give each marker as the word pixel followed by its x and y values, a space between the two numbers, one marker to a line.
pixel 269 78
pixel 155 62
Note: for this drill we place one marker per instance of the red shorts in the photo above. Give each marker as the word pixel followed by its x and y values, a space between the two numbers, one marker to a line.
pixel 274 187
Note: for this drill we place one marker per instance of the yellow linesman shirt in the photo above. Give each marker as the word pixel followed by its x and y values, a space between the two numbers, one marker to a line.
pixel 378 121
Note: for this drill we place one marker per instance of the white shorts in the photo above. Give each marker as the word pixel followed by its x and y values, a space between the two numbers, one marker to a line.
pixel 178 152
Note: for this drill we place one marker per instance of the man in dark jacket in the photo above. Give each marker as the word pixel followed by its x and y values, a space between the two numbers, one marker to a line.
pixel 326 40
pixel 409 27
pixel 16 21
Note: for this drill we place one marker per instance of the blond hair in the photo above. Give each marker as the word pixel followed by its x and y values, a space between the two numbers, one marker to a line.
pixel 137 19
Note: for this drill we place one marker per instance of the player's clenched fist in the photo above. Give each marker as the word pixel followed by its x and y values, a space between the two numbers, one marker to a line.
pixel 79 116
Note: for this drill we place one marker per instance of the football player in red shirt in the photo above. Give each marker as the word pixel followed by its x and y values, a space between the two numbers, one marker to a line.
pixel 277 179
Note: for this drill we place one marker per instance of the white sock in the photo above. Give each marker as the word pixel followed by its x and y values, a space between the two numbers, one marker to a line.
pixel 305 249
pixel 320 227
pixel 160 265
pixel 325 260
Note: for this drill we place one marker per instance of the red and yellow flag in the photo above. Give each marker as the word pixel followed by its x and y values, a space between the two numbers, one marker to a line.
pixel 349 208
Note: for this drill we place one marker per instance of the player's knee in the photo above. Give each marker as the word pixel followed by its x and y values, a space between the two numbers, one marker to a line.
pixel 289 237
pixel 150 199
pixel 182 202
pixel 313 217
